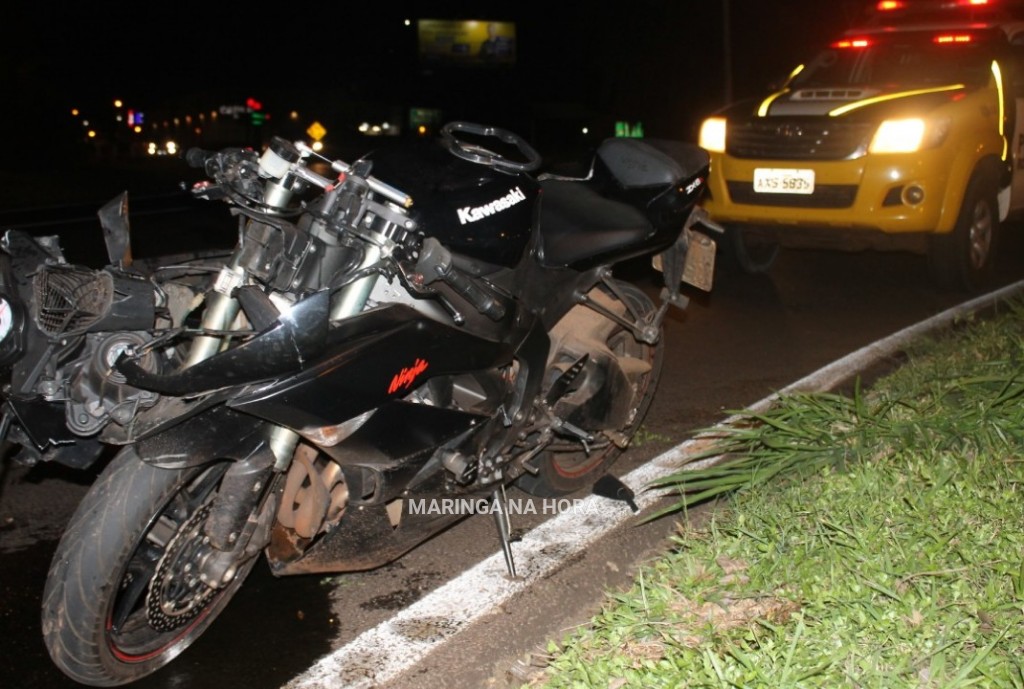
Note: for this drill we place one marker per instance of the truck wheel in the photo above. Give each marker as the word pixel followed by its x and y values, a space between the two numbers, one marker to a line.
pixel 964 259
pixel 754 255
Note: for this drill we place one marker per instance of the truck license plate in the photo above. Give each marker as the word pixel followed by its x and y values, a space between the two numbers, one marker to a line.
pixel 774 180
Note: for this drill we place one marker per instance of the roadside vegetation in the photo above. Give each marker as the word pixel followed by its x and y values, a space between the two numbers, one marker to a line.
pixel 867 540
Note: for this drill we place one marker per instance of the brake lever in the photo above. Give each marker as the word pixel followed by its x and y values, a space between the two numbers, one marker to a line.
pixel 416 286
pixel 208 191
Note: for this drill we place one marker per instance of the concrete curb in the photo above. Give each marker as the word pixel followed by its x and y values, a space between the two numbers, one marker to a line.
pixel 381 654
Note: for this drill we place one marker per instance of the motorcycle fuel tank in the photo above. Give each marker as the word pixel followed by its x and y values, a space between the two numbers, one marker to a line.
pixel 473 209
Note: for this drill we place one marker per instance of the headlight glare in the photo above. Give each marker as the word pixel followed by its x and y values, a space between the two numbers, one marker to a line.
pixel 898 136
pixel 712 135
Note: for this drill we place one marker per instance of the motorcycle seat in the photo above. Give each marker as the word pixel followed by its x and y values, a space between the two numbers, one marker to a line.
pixel 577 223
pixel 646 164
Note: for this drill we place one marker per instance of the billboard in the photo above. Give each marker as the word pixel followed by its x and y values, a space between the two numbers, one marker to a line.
pixel 468 43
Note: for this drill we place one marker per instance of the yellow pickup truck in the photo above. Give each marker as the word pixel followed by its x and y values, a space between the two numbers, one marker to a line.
pixel 906 133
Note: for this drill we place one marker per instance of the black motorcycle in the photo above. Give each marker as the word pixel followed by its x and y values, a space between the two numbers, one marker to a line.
pixel 367 344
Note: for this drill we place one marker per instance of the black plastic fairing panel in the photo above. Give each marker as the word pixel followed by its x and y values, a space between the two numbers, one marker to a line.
pixel 295 338
pixel 43 421
pixel 363 540
pixel 219 433
pixel 635 202
pixel 370 359
pixel 399 432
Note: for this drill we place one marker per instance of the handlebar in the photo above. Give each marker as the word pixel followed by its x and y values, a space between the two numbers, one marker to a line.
pixel 435 263
pixel 382 188
pixel 202 159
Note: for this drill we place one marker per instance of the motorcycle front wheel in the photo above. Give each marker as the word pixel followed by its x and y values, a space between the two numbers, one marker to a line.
pixel 122 596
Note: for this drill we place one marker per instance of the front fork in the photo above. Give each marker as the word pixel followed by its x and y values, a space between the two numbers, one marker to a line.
pixel 243 510
pixel 222 310
pixel 241 518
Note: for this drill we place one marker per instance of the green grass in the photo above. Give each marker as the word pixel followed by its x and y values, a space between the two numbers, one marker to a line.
pixel 869 540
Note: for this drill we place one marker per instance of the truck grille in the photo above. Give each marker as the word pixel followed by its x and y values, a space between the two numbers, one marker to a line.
pixel 824 196
pixel 790 139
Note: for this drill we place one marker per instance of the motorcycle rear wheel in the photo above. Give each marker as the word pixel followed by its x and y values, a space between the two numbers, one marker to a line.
pixel 137 525
pixel 561 472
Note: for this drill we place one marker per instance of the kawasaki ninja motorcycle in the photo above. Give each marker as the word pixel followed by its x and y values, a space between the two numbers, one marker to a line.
pixel 435 320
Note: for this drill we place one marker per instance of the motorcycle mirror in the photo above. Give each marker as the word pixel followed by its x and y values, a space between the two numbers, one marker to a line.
pixel 116 232
pixel 610 487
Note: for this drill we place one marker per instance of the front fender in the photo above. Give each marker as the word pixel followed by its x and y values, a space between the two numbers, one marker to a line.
pixel 963 170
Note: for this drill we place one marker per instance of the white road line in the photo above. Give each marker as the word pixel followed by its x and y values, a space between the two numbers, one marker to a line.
pixel 381 654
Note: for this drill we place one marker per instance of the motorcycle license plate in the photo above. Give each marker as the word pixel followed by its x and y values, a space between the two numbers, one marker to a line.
pixel 699 269
pixel 699 265
pixel 775 180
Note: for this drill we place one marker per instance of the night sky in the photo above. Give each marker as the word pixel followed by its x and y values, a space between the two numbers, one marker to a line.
pixel 656 61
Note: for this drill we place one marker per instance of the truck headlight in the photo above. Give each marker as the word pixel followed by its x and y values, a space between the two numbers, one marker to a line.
pixel 910 135
pixel 898 136
pixel 712 135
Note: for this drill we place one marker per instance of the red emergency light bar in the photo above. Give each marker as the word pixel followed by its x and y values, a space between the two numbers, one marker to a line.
pixel 852 43
pixel 894 5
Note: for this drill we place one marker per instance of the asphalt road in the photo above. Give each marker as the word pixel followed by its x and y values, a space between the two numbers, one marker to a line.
pixel 751 336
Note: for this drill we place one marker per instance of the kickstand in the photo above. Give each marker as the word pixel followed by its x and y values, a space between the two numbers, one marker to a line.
pixel 500 513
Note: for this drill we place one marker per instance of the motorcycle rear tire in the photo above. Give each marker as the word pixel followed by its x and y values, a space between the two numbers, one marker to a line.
pixel 95 601
pixel 561 473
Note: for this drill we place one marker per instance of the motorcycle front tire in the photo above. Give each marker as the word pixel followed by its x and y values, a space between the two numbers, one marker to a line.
pixel 137 524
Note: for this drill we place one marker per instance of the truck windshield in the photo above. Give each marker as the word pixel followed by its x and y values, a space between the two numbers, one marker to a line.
pixel 910 59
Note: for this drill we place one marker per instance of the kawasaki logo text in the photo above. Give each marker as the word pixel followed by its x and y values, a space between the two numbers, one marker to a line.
pixel 471 214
